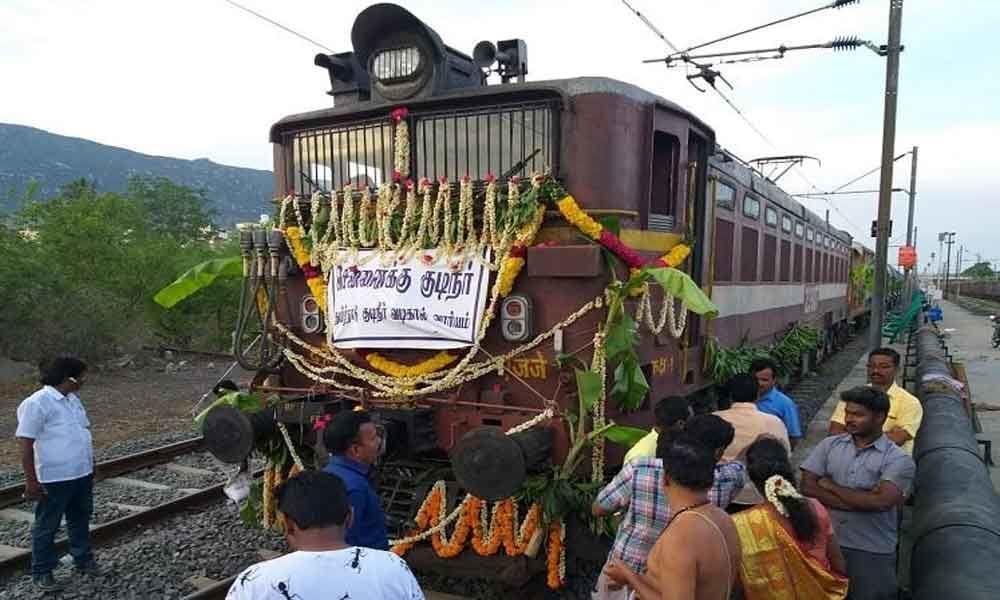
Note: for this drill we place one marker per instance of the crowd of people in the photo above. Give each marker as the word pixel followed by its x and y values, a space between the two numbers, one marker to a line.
pixel 709 506
pixel 717 512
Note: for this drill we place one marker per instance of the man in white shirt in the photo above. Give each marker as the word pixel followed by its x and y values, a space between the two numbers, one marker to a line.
pixel 57 455
pixel 323 566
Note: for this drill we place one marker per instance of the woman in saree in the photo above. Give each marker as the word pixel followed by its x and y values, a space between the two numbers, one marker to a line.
pixel 789 548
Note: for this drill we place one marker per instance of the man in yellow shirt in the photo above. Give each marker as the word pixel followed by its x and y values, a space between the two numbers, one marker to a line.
pixel 670 415
pixel 905 411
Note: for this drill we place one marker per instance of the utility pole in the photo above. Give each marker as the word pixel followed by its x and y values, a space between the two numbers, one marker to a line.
pixel 949 240
pixel 885 183
pixel 911 234
pixel 958 273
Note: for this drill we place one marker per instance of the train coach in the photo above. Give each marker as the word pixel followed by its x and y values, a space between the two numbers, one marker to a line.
pixel 507 276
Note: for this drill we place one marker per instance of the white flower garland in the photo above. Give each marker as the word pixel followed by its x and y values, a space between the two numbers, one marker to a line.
pixel 401 156
pixel 777 487
pixel 598 364
pixel 396 387
pixel 545 415
pixel 290 445
pixel 675 323
pixel 427 221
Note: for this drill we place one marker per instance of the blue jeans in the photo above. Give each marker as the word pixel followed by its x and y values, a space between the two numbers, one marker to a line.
pixel 75 499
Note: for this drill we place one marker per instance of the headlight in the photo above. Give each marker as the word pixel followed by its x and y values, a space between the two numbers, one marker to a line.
pixel 515 318
pixel 398 64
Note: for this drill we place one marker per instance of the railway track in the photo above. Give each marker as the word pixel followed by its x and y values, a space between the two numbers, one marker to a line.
pixel 157 487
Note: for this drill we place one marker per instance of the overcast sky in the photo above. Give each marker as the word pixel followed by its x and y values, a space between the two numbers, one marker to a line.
pixel 202 79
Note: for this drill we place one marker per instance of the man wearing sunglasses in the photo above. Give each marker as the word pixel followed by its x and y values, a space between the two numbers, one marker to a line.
pixel 57 454
pixel 354 443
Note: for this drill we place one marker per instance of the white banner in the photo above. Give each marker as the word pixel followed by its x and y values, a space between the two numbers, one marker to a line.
pixel 409 305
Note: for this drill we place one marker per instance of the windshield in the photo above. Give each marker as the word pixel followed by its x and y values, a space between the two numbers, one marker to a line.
pixel 509 139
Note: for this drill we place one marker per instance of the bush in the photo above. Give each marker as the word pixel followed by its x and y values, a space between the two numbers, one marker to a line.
pixel 80 270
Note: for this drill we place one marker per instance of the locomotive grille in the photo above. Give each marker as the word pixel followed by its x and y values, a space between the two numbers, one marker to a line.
pixel 443 143
pixel 661 222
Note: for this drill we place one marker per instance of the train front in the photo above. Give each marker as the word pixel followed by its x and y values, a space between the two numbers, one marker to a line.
pixel 393 279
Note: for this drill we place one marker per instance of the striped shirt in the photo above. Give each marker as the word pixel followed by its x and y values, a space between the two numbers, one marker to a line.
pixel 638 489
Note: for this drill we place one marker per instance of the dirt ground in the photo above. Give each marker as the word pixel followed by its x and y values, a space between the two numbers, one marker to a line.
pixel 149 396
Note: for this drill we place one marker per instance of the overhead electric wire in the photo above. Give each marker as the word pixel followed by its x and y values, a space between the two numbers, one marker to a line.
pixel 866 174
pixel 652 27
pixel 835 4
pixel 739 112
pixel 839 43
pixel 279 25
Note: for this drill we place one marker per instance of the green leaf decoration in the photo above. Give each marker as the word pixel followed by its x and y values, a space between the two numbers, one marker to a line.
pixel 611 223
pixel 588 386
pixel 239 400
pixel 622 335
pixel 197 278
pixel 630 385
pixel 626 436
pixel 681 286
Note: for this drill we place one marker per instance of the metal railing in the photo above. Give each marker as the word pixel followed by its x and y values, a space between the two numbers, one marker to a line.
pixel 443 143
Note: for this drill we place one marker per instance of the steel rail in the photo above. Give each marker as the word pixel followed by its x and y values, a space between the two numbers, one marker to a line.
pixel 14 494
pixel 216 591
pixel 113 530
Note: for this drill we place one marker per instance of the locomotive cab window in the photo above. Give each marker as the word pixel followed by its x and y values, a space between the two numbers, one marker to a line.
pixel 770 216
pixel 664 184
pixel 443 143
pixel 798 230
pixel 725 196
pixel 809 234
pixel 786 224
pixel 751 207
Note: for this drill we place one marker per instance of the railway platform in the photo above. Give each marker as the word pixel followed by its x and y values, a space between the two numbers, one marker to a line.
pixel 968 339
pixel 969 342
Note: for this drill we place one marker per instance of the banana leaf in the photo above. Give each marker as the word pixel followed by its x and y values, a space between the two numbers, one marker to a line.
pixel 588 386
pixel 681 286
pixel 197 278
pixel 626 436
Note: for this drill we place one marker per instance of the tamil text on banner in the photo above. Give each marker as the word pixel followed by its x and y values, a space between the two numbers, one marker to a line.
pixel 408 305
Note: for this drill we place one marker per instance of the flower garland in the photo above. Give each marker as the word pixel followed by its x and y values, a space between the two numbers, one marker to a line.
pixel 674 323
pixel 512 265
pixel 556 559
pixel 576 216
pixel 391 387
pixel 313 276
pixel 484 532
pixel 401 153
pixel 599 365
pixel 339 229
pixel 777 487
pixel 390 367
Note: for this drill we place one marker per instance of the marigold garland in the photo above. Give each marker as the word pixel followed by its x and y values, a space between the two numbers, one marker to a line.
pixel 390 367
pixel 576 216
pixel 485 533
pixel 556 559
pixel 511 266
pixel 314 278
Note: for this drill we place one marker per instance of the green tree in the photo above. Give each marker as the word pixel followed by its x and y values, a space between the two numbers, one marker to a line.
pixel 172 210
pixel 80 270
pixel 980 270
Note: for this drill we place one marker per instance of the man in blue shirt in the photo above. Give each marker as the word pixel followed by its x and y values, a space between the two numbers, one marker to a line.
pixel 772 401
pixel 354 443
